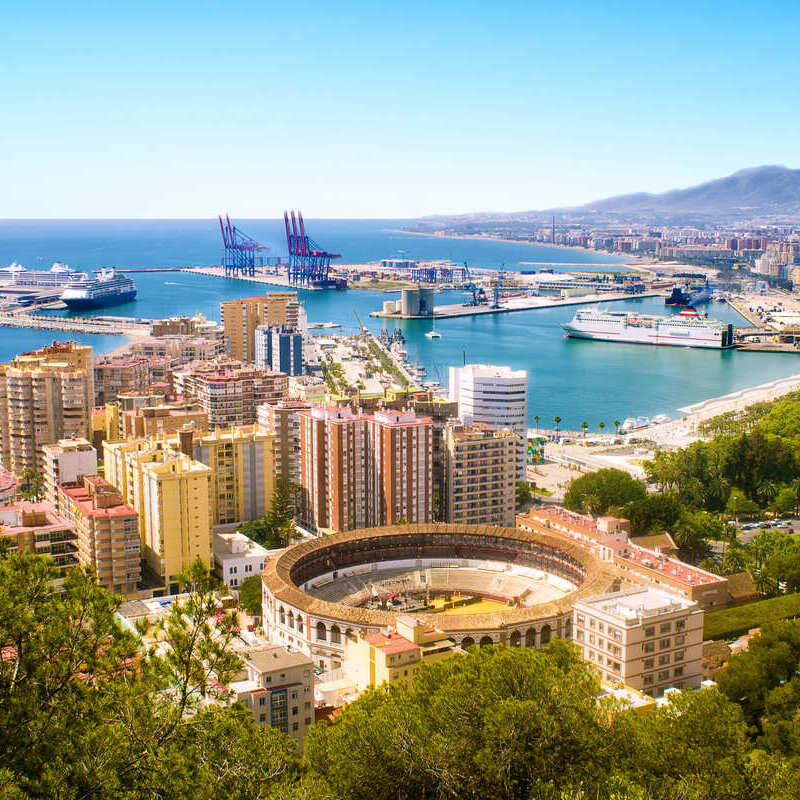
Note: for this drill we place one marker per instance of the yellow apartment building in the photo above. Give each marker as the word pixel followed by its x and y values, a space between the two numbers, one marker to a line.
pixel 395 656
pixel 240 318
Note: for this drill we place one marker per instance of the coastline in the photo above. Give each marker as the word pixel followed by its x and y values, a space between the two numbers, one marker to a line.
pixel 486 237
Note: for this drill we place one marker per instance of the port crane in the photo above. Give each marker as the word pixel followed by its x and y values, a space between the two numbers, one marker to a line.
pixel 242 253
pixel 309 263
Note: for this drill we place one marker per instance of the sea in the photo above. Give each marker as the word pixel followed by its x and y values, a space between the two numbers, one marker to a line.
pixel 573 379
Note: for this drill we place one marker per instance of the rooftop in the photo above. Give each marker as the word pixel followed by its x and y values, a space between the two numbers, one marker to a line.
pixel 631 605
pixel 391 643
pixel 237 544
pixel 272 658
pixel 96 498
pixel 25 516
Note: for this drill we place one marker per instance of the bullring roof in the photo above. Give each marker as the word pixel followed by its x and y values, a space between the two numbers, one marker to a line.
pixel 599 578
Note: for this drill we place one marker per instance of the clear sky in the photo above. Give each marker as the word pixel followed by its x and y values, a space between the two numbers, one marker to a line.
pixel 384 109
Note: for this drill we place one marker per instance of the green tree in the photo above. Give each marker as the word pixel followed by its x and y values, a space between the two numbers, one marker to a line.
pixel 617 423
pixel 601 426
pixel 32 485
pixel 276 528
pixel 557 421
pixel 584 428
pixel 91 711
pixel 784 502
pixel 536 420
pixel 250 595
pixel 524 494
pixel 604 489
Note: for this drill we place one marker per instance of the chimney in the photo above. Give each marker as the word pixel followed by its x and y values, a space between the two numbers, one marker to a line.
pixel 185 437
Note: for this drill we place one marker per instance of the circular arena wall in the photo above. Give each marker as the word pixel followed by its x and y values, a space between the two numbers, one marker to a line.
pixel 297 619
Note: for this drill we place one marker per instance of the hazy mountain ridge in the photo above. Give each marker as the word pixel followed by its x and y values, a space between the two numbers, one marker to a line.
pixel 756 192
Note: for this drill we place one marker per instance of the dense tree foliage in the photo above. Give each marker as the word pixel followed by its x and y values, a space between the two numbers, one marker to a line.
pixel 88 710
pixel 597 492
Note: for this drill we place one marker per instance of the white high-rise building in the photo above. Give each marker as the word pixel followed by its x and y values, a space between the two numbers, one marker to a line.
pixel 495 396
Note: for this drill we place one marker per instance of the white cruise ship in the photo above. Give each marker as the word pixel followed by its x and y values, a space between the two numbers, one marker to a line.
pixel 109 288
pixel 687 329
pixel 58 275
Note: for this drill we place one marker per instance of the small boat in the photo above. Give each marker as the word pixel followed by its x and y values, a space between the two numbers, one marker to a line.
pixel 433 335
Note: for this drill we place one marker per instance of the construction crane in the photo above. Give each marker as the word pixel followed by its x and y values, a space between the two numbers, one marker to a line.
pixel 309 263
pixel 360 323
pixel 242 253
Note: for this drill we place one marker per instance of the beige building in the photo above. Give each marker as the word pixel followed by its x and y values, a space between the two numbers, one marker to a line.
pixel 27 527
pixel 230 394
pixel 45 395
pixel 242 477
pixel 122 374
pixel 107 532
pixel 162 420
pixel 278 688
pixel 394 656
pixel 66 461
pixel 480 474
pixel 240 318
pixel 172 495
pixel 282 420
pixel 359 470
pixel 175 504
pixel 642 637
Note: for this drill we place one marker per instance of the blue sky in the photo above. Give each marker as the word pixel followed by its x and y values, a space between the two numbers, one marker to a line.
pixel 374 109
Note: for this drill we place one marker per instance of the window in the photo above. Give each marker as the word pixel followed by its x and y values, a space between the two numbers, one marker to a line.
pixel 262 701
pixel 663 675
pixel 678 672
pixel 650 631
pixel 649 663
pixel 664 644
pixel 648 647
pixel 663 660
pixel 665 627
pixel 680 640
pixel 295 726
pixel 648 680
pixel 679 655
pixel 308 720
pixel 680 625
pixel 262 718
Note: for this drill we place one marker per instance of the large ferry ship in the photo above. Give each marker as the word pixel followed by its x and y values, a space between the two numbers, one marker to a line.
pixel 109 288
pixel 58 275
pixel 687 329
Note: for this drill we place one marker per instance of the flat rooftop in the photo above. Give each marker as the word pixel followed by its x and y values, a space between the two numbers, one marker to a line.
pixel 634 604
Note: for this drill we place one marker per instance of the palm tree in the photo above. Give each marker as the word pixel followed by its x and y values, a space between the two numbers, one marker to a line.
pixel 617 423
pixel 600 426
pixel 536 420
pixel 584 426
pixel 557 421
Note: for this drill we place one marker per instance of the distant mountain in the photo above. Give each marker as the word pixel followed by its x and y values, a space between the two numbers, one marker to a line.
pixel 755 194
pixel 756 191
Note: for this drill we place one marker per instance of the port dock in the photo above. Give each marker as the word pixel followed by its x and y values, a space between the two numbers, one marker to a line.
pixel 107 326
pixel 508 305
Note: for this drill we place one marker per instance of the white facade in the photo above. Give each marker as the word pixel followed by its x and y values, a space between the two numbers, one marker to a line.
pixel 67 461
pixel 646 638
pixel 237 557
pixel 495 396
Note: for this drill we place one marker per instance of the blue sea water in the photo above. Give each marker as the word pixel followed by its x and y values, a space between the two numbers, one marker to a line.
pixel 576 380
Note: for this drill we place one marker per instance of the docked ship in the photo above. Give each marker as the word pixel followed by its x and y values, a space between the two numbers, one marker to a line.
pixel 687 329
pixel 689 295
pixel 109 288
pixel 58 275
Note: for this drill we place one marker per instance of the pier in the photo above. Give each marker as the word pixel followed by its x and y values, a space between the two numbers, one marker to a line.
pixel 520 304
pixel 116 326
pixel 261 275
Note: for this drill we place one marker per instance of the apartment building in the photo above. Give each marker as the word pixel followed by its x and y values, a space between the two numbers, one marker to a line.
pixel 278 688
pixel 609 537
pixel 45 395
pixel 480 474
pixel 279 349
pixel 175 503
pixel 197 325
pixel 242 477
pixel 393 656
pixel 645 638
pixel 237 558
pixel 495 396
pixel 107 532
pixel 359 470
pixel 440 411
pixel 66 461
pixel 123 374
pixel 282 421
pixel 164 419
pixel 171 493
pixel 229 394
pixel 240 318
pixel 27 527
